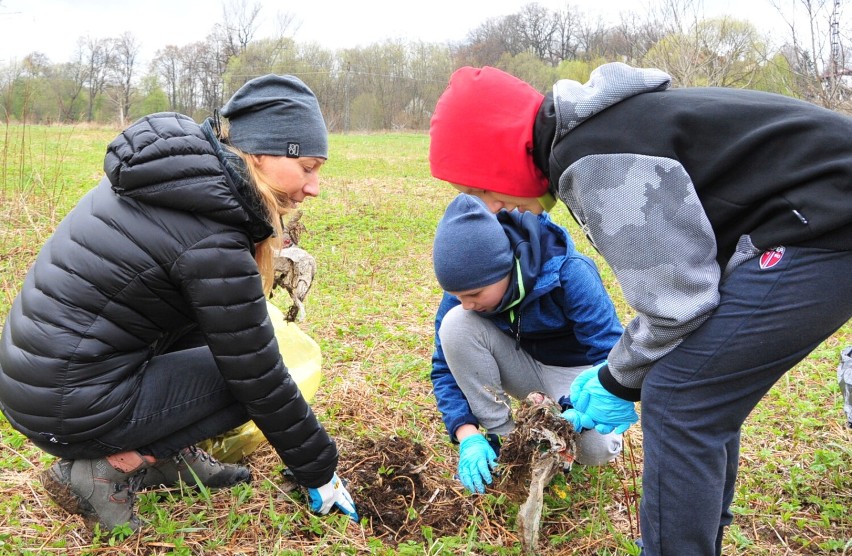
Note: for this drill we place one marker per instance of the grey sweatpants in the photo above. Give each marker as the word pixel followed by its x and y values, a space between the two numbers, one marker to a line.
pixel 489 369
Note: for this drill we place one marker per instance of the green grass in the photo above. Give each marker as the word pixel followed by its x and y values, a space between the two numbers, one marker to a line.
pixel 371 309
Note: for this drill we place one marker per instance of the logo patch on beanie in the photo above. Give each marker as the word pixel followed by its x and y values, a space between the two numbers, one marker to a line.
pixel 292 150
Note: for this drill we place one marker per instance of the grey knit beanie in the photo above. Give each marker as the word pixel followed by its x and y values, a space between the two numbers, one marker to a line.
pixel 471 250
pixel 278 115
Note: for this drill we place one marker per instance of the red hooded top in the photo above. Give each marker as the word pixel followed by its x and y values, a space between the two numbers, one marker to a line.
pixel 481 133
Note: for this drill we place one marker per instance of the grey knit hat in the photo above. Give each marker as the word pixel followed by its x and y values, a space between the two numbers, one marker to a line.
pixel 278 115
pixel 471 250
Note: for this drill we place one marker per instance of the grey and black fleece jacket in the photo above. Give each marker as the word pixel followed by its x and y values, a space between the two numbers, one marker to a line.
pixel 163 245
pixel 675 187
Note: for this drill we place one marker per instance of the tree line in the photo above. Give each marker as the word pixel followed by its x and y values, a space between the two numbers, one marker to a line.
pixel 393 85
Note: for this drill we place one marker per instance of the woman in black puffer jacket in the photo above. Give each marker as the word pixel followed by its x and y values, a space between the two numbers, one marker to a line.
pixel 142 327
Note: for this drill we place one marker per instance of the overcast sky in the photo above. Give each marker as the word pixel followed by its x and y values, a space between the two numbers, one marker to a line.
pixel 53 26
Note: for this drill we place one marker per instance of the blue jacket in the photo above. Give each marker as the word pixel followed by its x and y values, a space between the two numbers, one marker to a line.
pixel 566 318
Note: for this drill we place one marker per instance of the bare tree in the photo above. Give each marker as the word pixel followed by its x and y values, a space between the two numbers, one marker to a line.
pixel 238 27
pixel 675 16
pixel 286 25
pixel 486 44
pixel 122 67
pixel 191 78
pixel 815 50
pixel 71 76
pixel 567 29
pixel 96 55
pixel 628 41
pixel 536 27
pixel 181 70
pixel 167 65
pixel 212 66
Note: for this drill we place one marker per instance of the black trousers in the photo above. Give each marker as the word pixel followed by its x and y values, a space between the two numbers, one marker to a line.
pixel 695 400
pixel 182 400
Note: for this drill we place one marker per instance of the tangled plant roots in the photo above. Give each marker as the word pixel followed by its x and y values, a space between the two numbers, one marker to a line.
pixel 539 446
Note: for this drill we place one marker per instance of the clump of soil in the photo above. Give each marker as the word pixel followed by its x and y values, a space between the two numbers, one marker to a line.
pixel 396 491
pixel 539 428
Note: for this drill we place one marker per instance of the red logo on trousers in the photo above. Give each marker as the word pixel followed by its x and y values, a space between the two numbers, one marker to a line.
pixel 771 258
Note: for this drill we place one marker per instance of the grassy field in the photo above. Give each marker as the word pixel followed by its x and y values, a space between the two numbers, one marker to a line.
pixel 371 309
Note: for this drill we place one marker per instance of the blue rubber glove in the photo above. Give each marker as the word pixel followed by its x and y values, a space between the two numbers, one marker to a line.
pixel 333 493
pixel 596 408
pixel 476 461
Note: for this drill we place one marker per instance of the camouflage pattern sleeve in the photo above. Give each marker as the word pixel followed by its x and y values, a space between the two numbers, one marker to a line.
pixel 643 215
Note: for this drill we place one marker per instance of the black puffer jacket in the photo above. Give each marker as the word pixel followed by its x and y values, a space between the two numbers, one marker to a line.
pixel 162 245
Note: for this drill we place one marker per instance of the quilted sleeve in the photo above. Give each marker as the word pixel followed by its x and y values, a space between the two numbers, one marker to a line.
pixel 220 279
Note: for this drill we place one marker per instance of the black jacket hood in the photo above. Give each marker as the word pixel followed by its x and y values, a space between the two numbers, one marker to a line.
pixel 168 160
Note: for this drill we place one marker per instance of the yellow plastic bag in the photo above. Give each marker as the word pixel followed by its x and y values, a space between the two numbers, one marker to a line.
pixel 302 356
pixel 300 352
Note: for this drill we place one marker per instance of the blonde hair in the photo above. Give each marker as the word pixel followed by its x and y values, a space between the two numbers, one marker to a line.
pixel 264 253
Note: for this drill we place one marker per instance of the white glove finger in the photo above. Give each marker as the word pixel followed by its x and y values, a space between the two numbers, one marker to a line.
pixel 344 502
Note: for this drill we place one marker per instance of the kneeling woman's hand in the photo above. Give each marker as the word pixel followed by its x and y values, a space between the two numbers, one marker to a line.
pixel 333 493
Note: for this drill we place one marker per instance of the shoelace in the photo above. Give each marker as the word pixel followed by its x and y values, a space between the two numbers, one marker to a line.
pixel 196 454
pixel 133 485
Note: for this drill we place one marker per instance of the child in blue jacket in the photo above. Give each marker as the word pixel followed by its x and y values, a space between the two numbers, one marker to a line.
pixel 522 311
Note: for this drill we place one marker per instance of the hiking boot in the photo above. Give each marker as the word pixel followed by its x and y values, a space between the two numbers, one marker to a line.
pixel 96 490
pixel 194 464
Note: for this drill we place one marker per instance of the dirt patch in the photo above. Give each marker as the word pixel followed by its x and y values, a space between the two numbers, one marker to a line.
pixel 395 488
